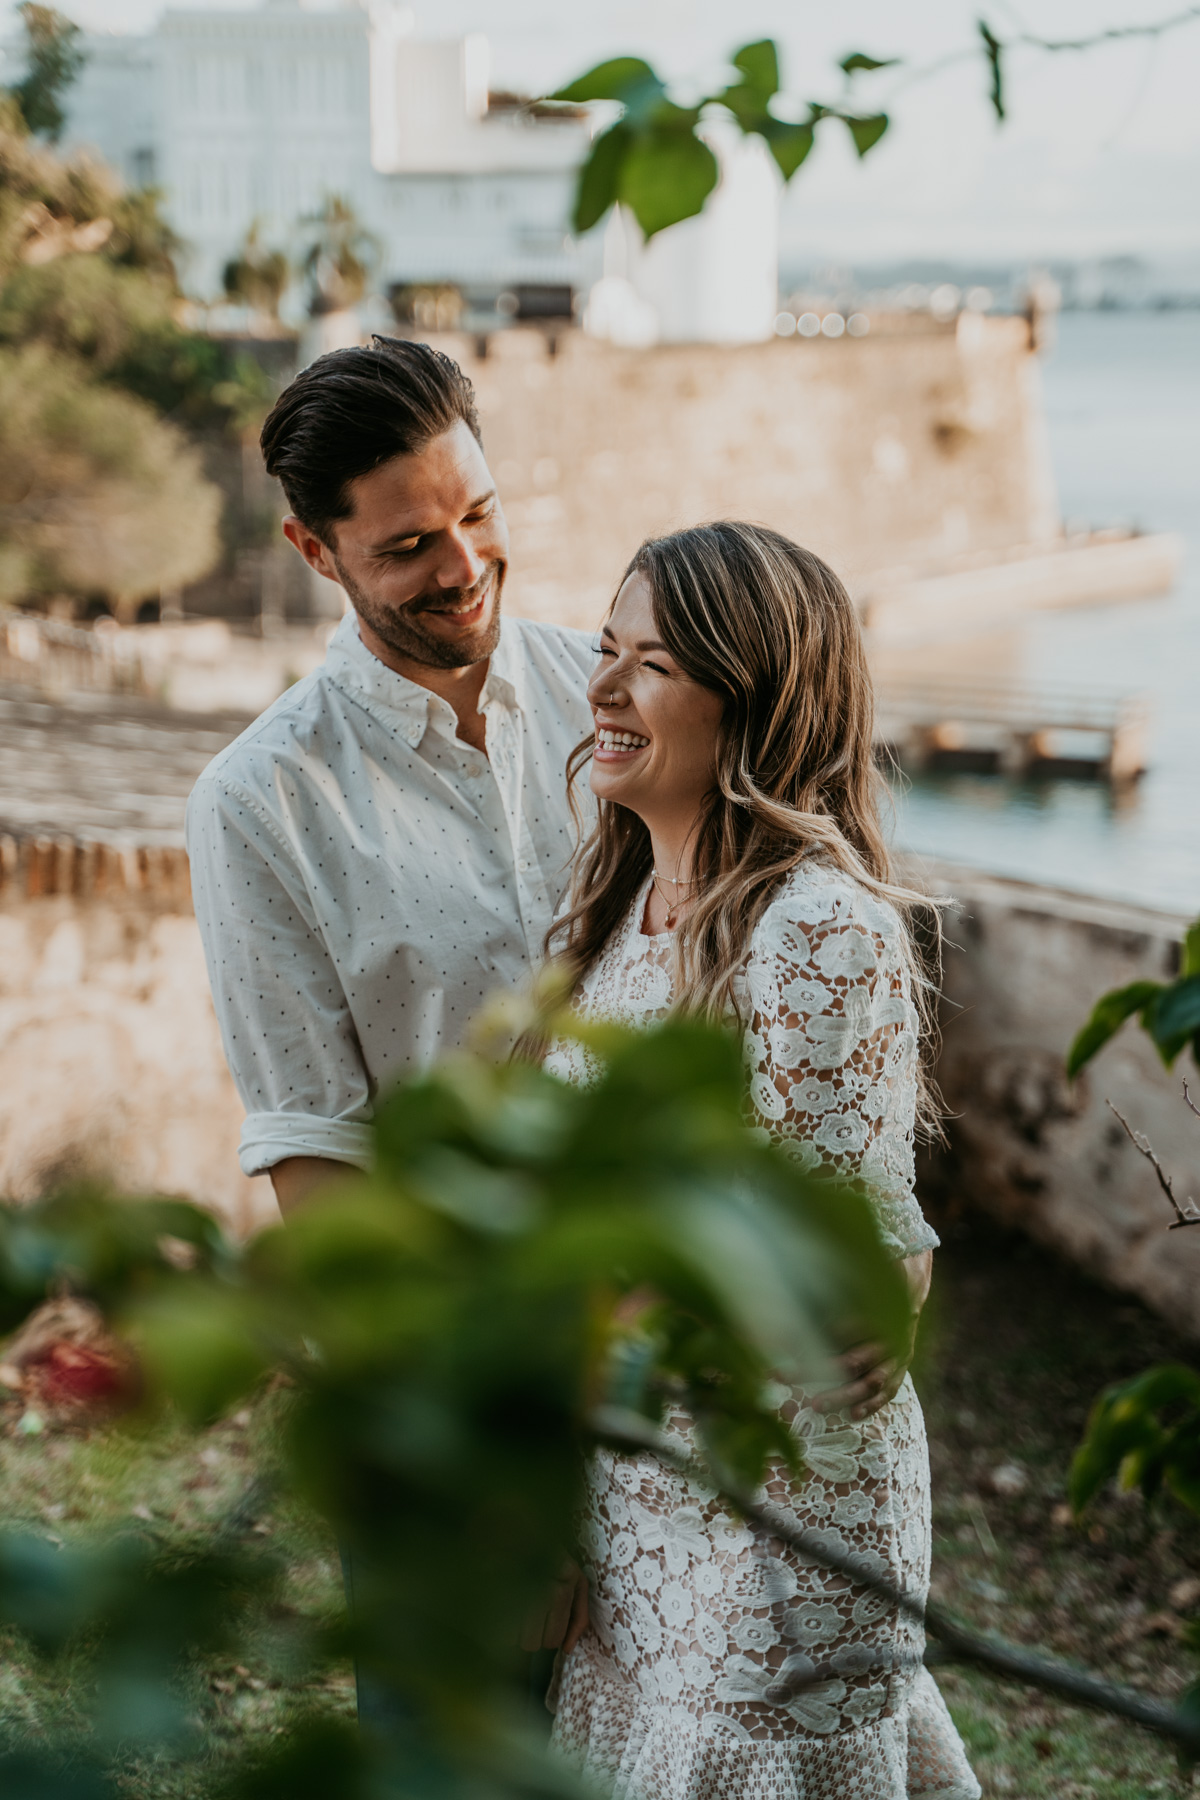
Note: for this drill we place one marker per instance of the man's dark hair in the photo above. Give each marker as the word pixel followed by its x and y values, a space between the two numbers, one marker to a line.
pixel 352 410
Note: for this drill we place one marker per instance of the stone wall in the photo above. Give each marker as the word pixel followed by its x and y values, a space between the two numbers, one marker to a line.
pixel 1023 968
pixel 885 454
pixel 110 1059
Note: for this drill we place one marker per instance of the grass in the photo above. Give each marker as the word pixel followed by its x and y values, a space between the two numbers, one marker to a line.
pixel 181 1488
pixel 1014 1347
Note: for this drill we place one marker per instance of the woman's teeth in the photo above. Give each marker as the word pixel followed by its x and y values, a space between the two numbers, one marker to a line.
pixel 620 740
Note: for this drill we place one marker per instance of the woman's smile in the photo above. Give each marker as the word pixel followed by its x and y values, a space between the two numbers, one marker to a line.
pixel 615 746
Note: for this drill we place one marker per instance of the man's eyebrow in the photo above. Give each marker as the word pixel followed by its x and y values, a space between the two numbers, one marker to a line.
pixel 406 537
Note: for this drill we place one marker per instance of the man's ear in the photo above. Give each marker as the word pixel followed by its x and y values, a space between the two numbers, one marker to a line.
pixel 316 554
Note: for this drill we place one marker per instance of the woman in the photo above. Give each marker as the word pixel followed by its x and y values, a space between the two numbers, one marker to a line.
pixel 738 867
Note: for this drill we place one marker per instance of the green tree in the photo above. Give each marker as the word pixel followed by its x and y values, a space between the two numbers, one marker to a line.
pixel 96 489
pixel 340 257
pixel 257 276
pixel 53 60
pixel 90 333
pixel 142 238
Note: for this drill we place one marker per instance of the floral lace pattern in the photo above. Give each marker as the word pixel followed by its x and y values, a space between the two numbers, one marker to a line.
pixel 719 1665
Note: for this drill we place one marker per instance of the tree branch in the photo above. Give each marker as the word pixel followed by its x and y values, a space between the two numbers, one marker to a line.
pixel 1191 1103
pixel 1142 1144
pixel 628 1430
pixel 1156 29
pixel 1029 40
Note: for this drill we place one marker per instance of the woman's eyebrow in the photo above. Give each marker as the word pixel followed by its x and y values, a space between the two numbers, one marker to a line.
pixel 645 643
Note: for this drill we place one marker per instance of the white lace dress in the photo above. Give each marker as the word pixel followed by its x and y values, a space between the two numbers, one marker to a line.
pixel 693 1614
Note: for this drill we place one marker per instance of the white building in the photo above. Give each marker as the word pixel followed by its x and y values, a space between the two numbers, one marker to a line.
pixel 257 116
pixel 260 115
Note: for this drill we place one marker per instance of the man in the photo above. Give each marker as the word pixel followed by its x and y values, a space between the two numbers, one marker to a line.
pixel 388 842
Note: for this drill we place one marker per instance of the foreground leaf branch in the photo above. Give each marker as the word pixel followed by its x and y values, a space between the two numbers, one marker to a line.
pixel 456 1333
pixel 653 158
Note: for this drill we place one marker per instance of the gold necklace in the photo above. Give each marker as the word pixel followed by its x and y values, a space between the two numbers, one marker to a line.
pixel 672 906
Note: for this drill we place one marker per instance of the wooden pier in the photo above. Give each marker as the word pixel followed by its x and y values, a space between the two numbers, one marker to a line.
pixel 1012 727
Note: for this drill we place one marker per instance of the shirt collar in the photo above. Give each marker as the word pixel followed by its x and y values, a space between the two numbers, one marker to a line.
pixel 502 670
pixel 349 664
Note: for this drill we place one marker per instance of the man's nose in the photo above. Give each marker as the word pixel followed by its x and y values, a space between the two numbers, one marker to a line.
pixel 460 564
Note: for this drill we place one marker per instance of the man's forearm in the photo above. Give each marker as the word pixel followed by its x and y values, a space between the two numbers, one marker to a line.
pixel 297 1178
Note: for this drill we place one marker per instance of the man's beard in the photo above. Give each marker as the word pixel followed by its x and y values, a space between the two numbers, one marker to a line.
pixel 401 630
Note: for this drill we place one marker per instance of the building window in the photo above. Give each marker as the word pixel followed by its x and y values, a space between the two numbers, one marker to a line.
pixel 141 165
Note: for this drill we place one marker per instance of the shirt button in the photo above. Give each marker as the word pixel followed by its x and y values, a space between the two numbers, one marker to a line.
pixel 523 866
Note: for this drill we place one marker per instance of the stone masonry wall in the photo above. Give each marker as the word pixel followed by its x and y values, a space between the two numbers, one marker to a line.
pixel 1030 1147
pixel 883 454
pixel 110 1059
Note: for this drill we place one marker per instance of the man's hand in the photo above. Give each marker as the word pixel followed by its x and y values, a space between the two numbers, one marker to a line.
pixel 874 1376
pixel 563 1619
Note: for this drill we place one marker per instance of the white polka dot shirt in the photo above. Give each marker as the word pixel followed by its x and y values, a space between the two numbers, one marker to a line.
pixel 363 879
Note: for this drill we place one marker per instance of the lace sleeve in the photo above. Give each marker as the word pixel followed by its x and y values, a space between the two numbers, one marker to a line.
pixel 832 1042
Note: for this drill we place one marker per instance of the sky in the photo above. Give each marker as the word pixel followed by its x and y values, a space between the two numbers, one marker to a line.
pixel 1100 155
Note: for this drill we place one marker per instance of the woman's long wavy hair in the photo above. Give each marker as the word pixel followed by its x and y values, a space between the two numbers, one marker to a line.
pixel 769 627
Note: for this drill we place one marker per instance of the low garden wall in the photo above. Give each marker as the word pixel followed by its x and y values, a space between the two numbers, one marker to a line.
pixel 1023 966
pixel 110 1059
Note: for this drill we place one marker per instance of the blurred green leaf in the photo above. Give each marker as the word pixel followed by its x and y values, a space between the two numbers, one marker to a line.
pixel 666 176
pixel 95 1245
pixel 789 145
pixel 449 1325
pixel 1147 1433
pixel 1173 1016
pixel 1108 1015
pixel 600 177
pixel 851 64
pixel 758 65
pixel 201 1345
pixel 1189 962
pixel 866 132
pixel 624 78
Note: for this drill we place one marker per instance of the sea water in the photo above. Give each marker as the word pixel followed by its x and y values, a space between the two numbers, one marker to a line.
pixel 1123 404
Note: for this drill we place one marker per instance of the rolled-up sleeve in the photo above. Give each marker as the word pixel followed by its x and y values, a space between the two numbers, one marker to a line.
pixel 287 1029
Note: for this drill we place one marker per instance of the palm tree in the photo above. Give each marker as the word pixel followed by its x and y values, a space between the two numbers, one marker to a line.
pixel 341 257
pixel 257 276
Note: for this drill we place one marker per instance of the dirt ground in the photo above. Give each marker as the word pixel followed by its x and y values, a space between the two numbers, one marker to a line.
pixel 1014 1347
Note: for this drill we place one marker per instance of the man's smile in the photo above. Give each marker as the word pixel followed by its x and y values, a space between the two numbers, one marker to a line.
pixel 467 610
